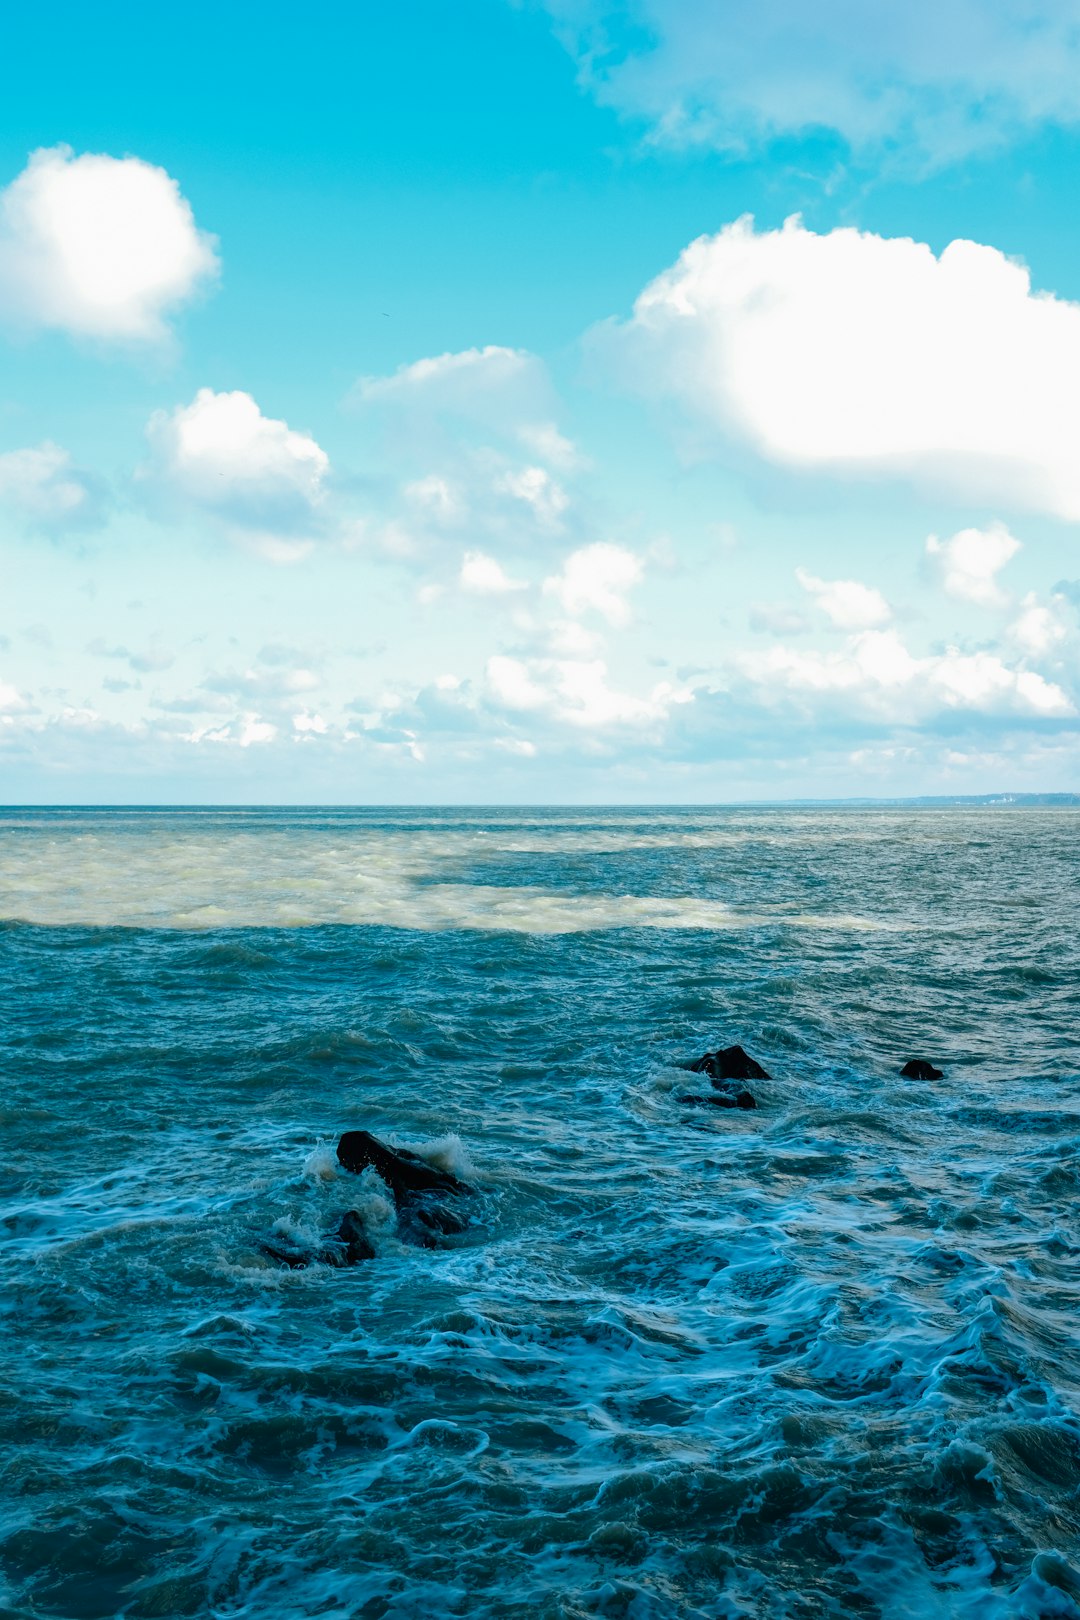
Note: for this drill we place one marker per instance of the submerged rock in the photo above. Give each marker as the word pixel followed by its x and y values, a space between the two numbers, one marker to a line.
pixel 352 1233
pixel 720 1099
pixel 919 1069
pixel 419 1189
pixel 285 1253
pixel 732 1063
pixel 348 1247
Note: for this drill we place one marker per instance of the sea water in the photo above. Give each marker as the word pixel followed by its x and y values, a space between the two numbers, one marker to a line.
pixel 816 1360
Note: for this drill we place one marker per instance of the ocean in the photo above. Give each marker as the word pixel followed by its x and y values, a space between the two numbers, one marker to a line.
pixel 815 1359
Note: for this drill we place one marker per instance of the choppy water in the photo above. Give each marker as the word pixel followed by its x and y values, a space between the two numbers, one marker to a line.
pixel 820 1360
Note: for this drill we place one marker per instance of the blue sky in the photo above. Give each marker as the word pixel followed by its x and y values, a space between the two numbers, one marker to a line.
pixel 564 402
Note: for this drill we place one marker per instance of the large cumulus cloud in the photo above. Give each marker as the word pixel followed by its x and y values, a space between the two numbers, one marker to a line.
pixel 861 355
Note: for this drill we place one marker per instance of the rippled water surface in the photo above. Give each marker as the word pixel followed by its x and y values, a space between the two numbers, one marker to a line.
pixel 816 1360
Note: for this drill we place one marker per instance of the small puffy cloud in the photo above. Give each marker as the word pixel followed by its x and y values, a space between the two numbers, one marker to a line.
pixel 310 725
pixel 848 603
pixel 938 78
pixel 878 674
pixel 1039 627
pixel 46 491
pixel 597 579
pixel 856 354
pixel 482 383
pixel 535 487
pixel 484 576
pixel 220 454
pixel 248 731
pixel 98 246
pixel 970 561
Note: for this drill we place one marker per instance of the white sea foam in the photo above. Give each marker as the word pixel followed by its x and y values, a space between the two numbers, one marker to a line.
pixel 304 1234
pixel 372 1202
pixel 446 1153
pixel 178 875
pixel 321 1163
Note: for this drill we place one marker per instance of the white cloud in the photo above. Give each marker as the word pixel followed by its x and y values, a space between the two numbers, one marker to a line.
pixel 247 731
pixel 457 424
pixel 597 579
pixel 484 576
pixel 876 672
pixel 574 692
pixel 12 700
pixel 858 354
pixel 1038 627
pixel 512 686
pixel 436 498
pixel 254 730
pixel 275 683
pixel 42 487
pixel 310 725
pixel 566 638
pixel 848 603
pixel 98 246
pixel 536 488
pixel 939 77
pixel 222 455
pixel 971 560
pixel 487 383
pixel 545 442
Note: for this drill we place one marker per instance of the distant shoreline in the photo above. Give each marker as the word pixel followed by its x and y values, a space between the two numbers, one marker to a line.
pixel 943 801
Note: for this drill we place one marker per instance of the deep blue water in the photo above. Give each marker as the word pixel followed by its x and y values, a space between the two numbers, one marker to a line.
pixel 815 1360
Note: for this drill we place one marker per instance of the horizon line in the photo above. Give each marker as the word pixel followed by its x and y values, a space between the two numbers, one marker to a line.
pixel 996 799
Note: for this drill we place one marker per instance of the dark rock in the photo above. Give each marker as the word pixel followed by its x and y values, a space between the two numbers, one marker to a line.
pixel 720 1099
pixel 732 1063
pixel 349 1245
pixel 353 1234
pixel 436 1217
pixel 285 1254
pixel 919 1069
pixel 405 1173
pixel 423 1221
pixel 419 1189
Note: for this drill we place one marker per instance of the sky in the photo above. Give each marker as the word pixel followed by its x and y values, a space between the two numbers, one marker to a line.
pixel 563 402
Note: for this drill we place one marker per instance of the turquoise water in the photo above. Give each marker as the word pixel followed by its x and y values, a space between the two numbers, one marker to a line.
pixel 815 1360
